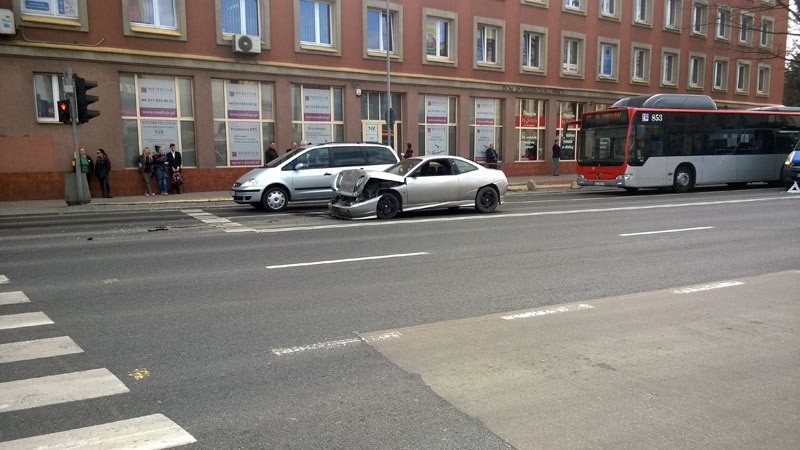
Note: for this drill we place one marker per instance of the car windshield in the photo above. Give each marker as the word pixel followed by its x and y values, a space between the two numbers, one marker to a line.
pixel 281 159
pixel 404 167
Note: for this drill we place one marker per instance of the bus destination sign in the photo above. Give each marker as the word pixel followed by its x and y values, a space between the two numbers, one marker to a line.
pixel 614 117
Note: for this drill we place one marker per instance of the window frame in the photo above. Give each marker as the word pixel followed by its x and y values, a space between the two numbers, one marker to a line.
pixel 699 24
pixel 745 29
pixel 226 39
pixel 34 20
pixel 451 19
pixel 675 55
pixel 769 35
pixel 574 6
pixel 499 51
pixel 335 47
pixel 724 24
pixel 178 33
pixel 56 90
pixel 721 67
pixel 613 45
pixel 537 3
pixel 647 51
pixel 639 18
pixel 396 13
pixel 763 82
pixel 567 37
pixel 673 17
pixel 698 74
pixel 542 32
pixel 743 67
pixel 604 13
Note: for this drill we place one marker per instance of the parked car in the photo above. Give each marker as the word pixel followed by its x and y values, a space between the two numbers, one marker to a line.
pixel 791 168
pixel 307 173
pixel 424 182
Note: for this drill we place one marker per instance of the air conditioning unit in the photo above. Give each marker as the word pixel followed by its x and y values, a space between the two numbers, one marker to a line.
pixel 243 43
pixel 7 22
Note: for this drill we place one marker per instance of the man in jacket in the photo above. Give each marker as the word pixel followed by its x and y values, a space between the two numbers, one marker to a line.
pixel 175 161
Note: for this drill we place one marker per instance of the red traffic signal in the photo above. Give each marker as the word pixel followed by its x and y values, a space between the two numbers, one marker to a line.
pixel 64 111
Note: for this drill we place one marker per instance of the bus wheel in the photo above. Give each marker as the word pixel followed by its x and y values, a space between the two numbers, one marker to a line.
pixel 684 180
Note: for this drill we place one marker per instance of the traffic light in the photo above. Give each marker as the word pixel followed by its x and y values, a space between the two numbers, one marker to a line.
pixel 64 111
pixel 84 100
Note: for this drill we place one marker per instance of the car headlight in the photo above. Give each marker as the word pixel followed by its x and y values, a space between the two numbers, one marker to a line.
pixel 250 183
pixel 788 161
pixel 337 181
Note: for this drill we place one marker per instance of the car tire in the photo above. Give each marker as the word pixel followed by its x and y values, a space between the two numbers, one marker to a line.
pixel 684 180
pixel 486 200
pixel 388 206
pixel 274 199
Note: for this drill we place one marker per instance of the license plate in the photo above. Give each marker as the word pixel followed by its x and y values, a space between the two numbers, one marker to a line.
pixel 599 183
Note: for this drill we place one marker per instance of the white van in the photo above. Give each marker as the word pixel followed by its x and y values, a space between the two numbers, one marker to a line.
pixel 307 173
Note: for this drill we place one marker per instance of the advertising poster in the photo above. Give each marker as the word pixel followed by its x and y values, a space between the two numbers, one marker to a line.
pixel 159 132
pixel 371 132
pixel 483 137
pixel 484 111
pixel 157 98
pixel 436 140
pixel 435 109
pixel 243 101
pixel 317 133
pixel 317 105
pixel 244 142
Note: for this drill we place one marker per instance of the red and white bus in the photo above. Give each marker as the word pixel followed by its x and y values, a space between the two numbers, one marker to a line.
pixel 681 141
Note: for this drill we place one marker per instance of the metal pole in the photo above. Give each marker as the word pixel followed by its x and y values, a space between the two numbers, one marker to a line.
pixel 69 89
pixel 389 121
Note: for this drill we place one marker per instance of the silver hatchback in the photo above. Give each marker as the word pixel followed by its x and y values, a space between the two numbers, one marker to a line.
pixel 307 173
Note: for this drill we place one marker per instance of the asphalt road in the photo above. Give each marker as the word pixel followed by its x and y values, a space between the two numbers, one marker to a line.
pixel 241 329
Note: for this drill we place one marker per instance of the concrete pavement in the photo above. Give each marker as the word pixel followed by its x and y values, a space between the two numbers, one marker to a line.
pixel 142 202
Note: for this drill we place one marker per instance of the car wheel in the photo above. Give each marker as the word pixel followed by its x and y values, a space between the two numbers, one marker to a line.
pixel 486 201
pixel 274 199
pixel 388 206
pixel 684 180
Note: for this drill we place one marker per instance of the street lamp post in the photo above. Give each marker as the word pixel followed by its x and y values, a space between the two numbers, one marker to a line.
pixel 389 121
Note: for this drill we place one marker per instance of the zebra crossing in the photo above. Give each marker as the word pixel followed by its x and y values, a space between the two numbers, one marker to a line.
pixel 154 431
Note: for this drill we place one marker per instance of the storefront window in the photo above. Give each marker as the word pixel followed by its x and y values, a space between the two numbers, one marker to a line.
pixel 317 114
pixel 244 123
pixel 437 125
pixel 156 111
pixel 530 124
pixel 373 119
pixel 568 112
pixel 486 122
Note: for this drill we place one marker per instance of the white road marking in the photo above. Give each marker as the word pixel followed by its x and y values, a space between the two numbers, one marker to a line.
pixel 219 222
pixel 149 432
pixel 337 261
pixel 379 223
pixel 3 279
pixel 54 389
pixel 334 344
pixel 707 287
pixel 10 298
pixel 545 312
pixel 40 348
pixel 33 319
pixel 677 230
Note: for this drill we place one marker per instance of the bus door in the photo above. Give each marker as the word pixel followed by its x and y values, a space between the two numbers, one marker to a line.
pixel 719 163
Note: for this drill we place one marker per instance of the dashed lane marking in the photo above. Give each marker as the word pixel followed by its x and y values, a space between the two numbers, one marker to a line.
pixel 32 319
pixel 707 287
pixel 218 222
pixel 547 312
pixel 328 345
pixel 149 432
pixel 40 348
pixel 337 261
pixel 54 389
pixel 676 230
pixel 10 298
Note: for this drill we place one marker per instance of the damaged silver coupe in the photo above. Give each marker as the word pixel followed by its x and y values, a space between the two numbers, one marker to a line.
pixel 425 182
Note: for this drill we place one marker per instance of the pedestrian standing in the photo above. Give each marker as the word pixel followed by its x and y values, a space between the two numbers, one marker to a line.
pixel 556 157
pixel 102 169
pixel 174 163
pixel 145 163
pixel 409 151
pixel 491 157
pixel 160 169
pixel 292 148
pixel 270 153
pixel 87 167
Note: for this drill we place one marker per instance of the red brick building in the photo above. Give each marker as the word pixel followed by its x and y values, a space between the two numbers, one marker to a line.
pixel 224 78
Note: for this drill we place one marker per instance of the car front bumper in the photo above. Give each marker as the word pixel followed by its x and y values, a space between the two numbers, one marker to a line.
pixel 348 208
pixel 246 196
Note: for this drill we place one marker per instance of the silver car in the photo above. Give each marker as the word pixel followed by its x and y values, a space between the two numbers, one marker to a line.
pixel 425 182
pixel 307 173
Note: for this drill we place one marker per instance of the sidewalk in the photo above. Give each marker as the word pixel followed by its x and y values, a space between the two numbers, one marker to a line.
pixel 216 198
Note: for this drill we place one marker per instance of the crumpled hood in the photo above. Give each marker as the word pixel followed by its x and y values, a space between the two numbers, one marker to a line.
pixel 349 180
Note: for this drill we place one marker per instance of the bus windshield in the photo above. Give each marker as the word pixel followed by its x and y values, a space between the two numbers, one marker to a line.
pixel 603 146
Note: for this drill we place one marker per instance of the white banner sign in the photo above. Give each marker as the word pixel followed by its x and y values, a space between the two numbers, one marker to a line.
pixel 483 137
pixel 372 132
pixel 435 109
pixel 244 141
pixel 243 101
pixel 157 98
pixel 317 105
pixel 484 111
pixel 436 142
pixel 317 133
pixel 159 132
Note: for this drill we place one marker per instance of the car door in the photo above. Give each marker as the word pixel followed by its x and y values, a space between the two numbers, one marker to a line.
pixel 432 183
pixel 312 175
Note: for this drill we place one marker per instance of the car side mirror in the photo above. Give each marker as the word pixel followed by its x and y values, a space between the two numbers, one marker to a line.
pixel 300 166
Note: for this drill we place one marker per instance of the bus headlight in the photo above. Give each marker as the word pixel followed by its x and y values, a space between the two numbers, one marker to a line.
pixel 624 176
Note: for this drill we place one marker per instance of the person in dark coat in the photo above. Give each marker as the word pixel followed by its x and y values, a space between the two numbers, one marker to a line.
pixel 160 169
pixel 270 153
pixel 102 169
pixel 556 157
pixel 174 161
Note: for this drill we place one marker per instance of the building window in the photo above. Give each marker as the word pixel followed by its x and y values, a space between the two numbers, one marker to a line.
pixel 669 69
pixel 437 125
pixel 317 114
pixel 440 28
pixel 720 75
pixel 767 30
pixel 240 17
pixel 487 127
pixel 373 118
pixel 642 12
pixel 699 19
pixel 156 110
pixel 572 55
pixel 640 67
pixel 67 9
pixel 315 23
pixel 746 23
pixel 56 14
pixel 49 89
pixel 609 59
pixel 762 84
pixel 578 6
pixel 569 112
pixel 742 77
pixel 534 2
pixel 380 31
pixel 244 121
pixel 530 124
pixel 672 14
pixel 533 48
pixel 723 29
pixel 696 71
pixel 152 13
pixel 486 44
pixel 609 8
